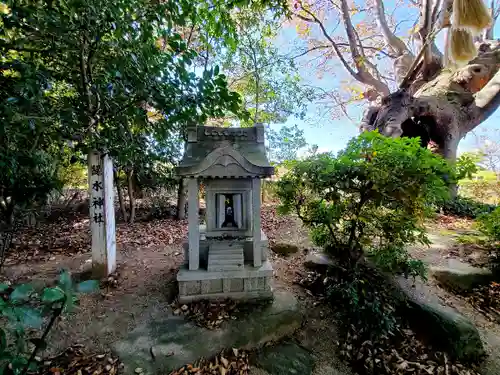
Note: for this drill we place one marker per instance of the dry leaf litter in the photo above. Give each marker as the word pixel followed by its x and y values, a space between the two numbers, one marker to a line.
pixel 401 353
pixel 228 362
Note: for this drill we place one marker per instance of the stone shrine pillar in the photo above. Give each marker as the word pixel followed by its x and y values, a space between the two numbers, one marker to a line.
pixel 257 249
pixel 193 224
pixel 102 214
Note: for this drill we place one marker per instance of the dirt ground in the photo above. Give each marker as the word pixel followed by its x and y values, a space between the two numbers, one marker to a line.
pixel 148 255
pixel 146 275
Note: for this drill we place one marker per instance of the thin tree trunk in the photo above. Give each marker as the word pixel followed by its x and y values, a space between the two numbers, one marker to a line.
pixel 131 195
pixel 72 200
pixel 181 201
pixel 119 190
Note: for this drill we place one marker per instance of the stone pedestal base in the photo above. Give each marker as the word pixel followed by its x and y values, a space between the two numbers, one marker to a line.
pixel 246 284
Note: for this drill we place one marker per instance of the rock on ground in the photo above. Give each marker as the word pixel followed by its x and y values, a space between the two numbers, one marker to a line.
pixel 284 249
pixel 286 359
pixel 448 329
pixel 160 346
pixel 318 261
pixel 460 276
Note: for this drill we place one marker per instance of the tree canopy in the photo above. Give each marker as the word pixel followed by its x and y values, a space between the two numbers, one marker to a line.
pixel 117 77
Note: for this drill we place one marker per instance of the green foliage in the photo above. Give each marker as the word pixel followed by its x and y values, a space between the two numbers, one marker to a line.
pixel 484 187
pixel 267 80
pixel 396 259
pixel 471 239
pixel 26 178
pixel 72 169
pixel 285 143
pixel 373 196
pixel 115 76
pixel 465 207
pixel 489 224
pixel 466 165
pixel 25 311
pixel 362 302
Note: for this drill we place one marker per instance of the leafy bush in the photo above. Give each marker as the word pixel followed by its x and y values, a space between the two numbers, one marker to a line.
pixel 396 259
pixel 465 207
pixel 25 310
pixel 489 224
pixel 368 201
pixel 26 178
pixel 373 196
pixel 364 302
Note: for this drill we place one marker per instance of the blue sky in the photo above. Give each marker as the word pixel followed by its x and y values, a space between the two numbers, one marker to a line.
pixel 332 134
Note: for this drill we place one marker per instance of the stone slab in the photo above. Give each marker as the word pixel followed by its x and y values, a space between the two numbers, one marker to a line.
pixel 175 341
pixel 286 359
pixel 461 277
pixel 447 329
pixel 248 271
pixel 245 284
pixel 318 261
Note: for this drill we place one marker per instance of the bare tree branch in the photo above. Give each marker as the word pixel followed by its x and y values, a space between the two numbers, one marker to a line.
pixel 397 46
pixel 332 42
pixel 361 73
pixel 425 29
pixel 486 101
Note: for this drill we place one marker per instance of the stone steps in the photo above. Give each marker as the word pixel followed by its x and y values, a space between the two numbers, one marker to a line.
pixel 225 258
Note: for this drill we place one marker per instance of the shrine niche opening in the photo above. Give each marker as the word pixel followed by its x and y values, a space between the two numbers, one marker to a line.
pixel 230 213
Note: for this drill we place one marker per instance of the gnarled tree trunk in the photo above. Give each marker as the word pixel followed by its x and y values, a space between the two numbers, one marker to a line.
pixel 444 109
pixel 433 102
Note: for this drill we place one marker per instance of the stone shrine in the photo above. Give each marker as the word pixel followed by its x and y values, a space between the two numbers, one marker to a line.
pixel 226 252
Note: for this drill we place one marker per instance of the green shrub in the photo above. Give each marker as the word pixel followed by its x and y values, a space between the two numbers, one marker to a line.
pixel 368 201
pixel 26 178
pixel 471 239
pixel 372 196
pixel 396 260
pixel 465 207
pixel 489 225
pixel 363 302
pixel 27 311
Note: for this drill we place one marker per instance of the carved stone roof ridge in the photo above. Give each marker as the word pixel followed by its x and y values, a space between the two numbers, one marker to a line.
pixel 225 153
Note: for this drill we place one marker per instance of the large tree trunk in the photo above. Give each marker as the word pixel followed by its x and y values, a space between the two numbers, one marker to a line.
pixel 444 109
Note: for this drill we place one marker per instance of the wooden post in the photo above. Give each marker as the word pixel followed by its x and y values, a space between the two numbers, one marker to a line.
pixel 102 214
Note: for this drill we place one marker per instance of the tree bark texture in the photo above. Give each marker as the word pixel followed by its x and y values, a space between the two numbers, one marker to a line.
pixel 121 201
pixel 131 196
pixel 181 201
pixel 444 109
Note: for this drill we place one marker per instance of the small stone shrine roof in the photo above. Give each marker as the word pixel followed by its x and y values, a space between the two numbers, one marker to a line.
pixel 215 152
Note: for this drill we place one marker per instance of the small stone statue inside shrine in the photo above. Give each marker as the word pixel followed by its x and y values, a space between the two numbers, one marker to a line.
pixel 229 217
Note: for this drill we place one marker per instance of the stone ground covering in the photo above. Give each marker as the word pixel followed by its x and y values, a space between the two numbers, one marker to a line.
pixel 447 257
pixel 137 318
